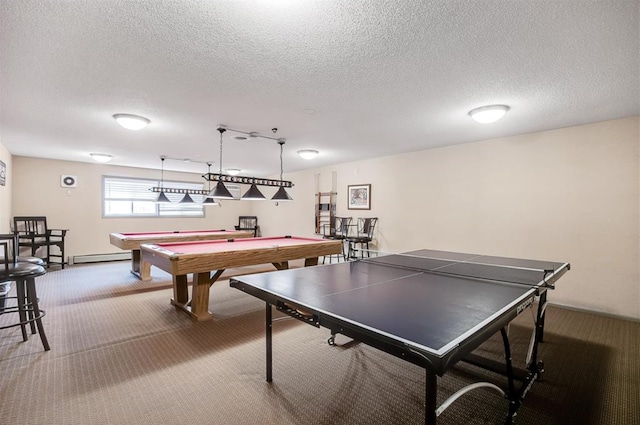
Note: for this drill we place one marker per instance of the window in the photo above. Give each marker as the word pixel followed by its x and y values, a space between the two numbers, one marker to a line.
pixel 131 197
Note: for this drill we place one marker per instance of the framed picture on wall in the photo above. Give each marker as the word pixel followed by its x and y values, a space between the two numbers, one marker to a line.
pixel 3 174
pixel 359 197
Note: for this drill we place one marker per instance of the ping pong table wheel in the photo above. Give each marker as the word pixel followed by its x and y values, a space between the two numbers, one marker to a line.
pixel 332 340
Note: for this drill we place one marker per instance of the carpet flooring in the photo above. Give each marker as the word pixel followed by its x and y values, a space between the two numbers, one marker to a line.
pixel 121 354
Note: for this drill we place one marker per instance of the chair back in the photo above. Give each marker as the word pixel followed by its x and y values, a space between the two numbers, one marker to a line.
pixel 366 226
pixel 341 226
pixel 30 225
pixel 248 222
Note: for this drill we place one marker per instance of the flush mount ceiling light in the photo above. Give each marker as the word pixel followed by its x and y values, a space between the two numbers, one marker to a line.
pixel 100 157
pixel 488 114
pixel 131 122
pixel 233 171
pixel 308 153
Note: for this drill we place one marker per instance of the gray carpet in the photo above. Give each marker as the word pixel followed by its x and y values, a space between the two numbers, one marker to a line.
pixel 121 354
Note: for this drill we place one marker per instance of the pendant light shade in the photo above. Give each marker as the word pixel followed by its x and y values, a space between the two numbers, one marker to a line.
pixel 281 195
pixel 187 199
pixel 162 199
pixel 209 202
pixel 253 194
pixel 220 192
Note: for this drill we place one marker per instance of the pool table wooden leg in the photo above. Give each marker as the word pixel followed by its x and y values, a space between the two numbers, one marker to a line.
pixel 281 266
pixel 140 269
pixel 200 296
pixel 180 291
pixel 311 261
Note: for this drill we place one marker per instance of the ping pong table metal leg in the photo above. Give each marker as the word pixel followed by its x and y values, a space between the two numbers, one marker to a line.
pixel 269 326
pixel 431 392
pixel 542 301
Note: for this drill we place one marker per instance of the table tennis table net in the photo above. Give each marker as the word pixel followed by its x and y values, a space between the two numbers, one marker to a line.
pixel 489 268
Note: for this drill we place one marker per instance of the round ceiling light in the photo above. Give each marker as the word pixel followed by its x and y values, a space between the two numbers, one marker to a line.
pixel 131 122
pixel 233 171
pixel 308 153
pixel 488 114
pixel 100 157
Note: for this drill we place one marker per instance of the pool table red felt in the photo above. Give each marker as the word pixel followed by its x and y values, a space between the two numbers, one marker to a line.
pixel 133 240
pixel 204 257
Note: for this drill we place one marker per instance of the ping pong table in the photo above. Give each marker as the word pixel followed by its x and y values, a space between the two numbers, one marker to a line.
pixel 431 308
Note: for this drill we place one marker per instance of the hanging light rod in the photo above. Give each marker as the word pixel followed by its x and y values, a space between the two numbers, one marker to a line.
pixel 180 191
pixel 187 160
pixel 220 191
pixel 254 134
pixel 214 177
pixel 219 177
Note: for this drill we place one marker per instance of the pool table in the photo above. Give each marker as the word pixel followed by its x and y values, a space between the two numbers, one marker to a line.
pixel 207 260
pixel 132 241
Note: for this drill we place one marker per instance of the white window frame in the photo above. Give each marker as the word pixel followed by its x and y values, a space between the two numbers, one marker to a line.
pixel 140 196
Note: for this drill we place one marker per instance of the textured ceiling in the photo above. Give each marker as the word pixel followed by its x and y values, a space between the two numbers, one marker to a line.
pixel 381 77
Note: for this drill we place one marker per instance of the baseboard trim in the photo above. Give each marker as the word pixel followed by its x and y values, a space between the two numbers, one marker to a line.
pixel 599 313
pixel 100 258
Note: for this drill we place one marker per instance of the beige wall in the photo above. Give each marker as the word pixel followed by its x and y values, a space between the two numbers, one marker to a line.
pixel 564 195
pixel 37 191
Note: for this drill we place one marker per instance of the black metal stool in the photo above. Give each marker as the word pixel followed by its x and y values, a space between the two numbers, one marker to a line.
pixel 24 275
pixel 6 286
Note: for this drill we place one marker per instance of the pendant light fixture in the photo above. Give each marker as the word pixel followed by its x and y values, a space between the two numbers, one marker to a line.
pixel 187 199
pixel 220 191
pixel 253 194
pixel 281 194
pixel 207 200
pixel 162 198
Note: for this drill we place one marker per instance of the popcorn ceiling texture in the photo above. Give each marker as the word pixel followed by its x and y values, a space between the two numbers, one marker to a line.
pixel 383 77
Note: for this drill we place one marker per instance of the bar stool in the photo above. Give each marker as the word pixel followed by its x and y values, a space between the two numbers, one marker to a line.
pixel 6 286
pixel 24 275
pixel 337 230
pixel 366 228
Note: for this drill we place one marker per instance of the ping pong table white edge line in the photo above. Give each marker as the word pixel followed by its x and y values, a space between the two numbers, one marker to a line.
pixel 468 261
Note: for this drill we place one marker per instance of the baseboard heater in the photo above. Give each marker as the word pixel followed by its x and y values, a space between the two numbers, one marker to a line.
pixel 100 258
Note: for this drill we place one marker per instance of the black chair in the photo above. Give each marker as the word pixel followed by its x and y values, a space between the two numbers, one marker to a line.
pixel 364 235
pixel 34 234
pixel 337 230
pixel 248 222
pixel 26 300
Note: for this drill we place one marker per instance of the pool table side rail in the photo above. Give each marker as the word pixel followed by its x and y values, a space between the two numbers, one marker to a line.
pixel 182 264
pixel 130 241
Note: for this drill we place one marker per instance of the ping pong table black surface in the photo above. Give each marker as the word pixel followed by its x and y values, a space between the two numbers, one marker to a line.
pixel 432 308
